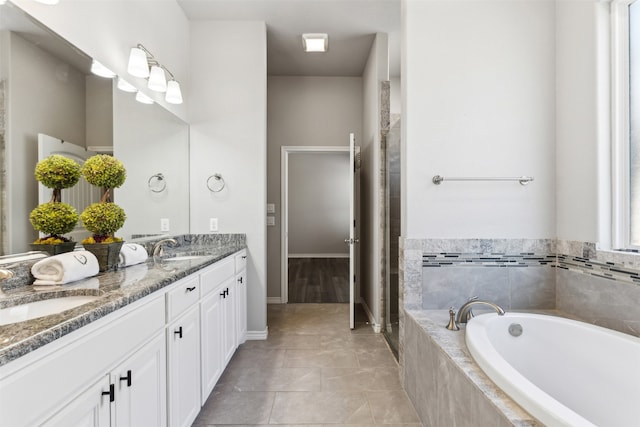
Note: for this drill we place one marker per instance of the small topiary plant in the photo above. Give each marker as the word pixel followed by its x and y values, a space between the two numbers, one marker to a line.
pixel 104 218
pixel 55 218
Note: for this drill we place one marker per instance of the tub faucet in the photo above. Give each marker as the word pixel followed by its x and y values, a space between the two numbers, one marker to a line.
pixel 158 246
pixel 464 311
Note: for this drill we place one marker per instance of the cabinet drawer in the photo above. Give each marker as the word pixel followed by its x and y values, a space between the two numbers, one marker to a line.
pixel 216 274
pixel 241 261
pixel 184 294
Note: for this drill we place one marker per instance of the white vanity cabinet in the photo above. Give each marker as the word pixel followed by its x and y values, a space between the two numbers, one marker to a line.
pixel 153 362
pixel 217 347
pixel 73 380
pixel 241 296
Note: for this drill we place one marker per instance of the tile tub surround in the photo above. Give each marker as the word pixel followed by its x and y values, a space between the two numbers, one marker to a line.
pixel 444 383
pixel 118 289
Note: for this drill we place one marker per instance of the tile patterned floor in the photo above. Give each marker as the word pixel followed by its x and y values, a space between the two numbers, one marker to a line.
pixel 312 372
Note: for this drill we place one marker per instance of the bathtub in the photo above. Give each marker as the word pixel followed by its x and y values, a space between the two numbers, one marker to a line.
pixel 563 372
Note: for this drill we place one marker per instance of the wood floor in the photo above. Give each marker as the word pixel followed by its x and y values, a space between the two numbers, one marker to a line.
pixel 318 280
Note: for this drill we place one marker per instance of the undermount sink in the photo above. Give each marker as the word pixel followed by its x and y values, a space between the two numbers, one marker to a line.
pixel 184 257
pixel 35 309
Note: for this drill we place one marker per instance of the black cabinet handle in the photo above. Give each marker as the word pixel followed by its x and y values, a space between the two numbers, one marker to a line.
pixel 244 257
pixel 191 289
pixel 179 332
pixel 240 280
pixel 111 393
pixel 223 294
pixel 127 378
pixel 226 291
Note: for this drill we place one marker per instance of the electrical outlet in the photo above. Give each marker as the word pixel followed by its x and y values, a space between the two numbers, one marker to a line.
pixel 271 220
pixel 213 224
pixel 271 208
pixel 164 224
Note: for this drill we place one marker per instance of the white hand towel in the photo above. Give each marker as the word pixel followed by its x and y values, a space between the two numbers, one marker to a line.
pixel 132 253
pixel 65 268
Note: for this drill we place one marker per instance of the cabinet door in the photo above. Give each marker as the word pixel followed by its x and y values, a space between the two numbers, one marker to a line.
pixel 91 408
pixel 140 387
pixel 228 320
pixel 241 306
pixel 211 341
pixel 183 343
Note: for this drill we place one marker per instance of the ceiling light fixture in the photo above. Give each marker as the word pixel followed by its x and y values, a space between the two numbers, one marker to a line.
pixel 315 42
pixel 100 70
pixel 143 64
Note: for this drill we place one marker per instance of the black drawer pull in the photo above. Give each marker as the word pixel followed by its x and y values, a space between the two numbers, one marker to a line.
pixel 223 294
pixel 111 393
pixel 191 289
pixel 240 280
pixel 127 378
pixel 179 332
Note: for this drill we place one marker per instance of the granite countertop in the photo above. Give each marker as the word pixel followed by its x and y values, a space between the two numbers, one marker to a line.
pixel 115 289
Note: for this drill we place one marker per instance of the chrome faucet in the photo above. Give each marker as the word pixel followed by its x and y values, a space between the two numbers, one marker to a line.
pixel 159 245
pixel 464 313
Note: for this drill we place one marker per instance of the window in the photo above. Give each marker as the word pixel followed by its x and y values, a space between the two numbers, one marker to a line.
pixel 626 123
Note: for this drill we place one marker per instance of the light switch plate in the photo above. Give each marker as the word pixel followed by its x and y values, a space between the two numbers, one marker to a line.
pixel 271 208
pixel 213 224
pixel 164 224
pixel 271 220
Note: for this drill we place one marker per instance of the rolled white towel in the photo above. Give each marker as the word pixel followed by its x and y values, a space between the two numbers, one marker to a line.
pixel 65 268
pixel 132 253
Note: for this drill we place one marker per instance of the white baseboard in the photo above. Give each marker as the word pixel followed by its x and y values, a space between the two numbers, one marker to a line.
pixel 274 300
pixel 319 255
pixel 377 328
pixel 258 335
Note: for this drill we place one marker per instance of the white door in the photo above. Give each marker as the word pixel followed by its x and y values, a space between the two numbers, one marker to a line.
pixel 92 408
pixel 80 195
pixel 354 182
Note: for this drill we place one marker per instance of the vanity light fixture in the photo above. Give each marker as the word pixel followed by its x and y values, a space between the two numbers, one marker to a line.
pixel 157 79
pixel 315 42
pixel 138 65
pixel 125 86
pixel 100 70
pixel 173 95
pixel 141 97
pixel 143 64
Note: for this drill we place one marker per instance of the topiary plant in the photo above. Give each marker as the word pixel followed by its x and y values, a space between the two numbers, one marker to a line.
pixel 55 218
pixel 104 218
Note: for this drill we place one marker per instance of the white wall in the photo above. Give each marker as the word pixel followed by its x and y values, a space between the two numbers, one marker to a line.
pixel 372 219
pixel 318 204
pixel 299 109
pixel 227 110
pixel 478 100
pixel 44 95
pixel 107 30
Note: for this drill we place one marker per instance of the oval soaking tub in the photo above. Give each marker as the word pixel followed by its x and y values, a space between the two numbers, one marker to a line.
pixel 563 372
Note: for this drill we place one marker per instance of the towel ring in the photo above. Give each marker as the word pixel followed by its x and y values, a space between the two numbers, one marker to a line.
pixel 157 183
pixel 217 184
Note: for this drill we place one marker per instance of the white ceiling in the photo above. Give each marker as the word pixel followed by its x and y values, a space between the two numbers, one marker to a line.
pixel 351 25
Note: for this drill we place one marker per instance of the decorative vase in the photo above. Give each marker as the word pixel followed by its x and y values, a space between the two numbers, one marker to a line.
pixel 58 248
pixel 107 254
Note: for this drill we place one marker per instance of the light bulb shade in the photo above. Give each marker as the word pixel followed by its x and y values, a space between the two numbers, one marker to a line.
pixel 141 97
pixel 173 95
pixel 138 65
pixel 100 70
pixel 157 79
pixel 125 86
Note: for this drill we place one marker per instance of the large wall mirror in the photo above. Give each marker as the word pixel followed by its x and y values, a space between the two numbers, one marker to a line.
pixel 46 88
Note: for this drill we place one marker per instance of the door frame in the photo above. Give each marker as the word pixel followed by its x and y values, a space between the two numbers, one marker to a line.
pixel 284 213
